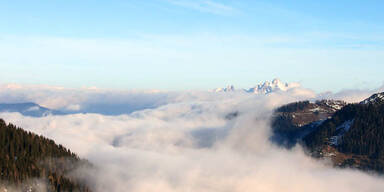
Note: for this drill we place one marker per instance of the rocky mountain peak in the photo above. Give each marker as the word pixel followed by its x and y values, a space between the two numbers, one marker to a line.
pixel 377 98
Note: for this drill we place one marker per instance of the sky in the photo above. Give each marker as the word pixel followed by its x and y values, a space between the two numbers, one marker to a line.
pixel 200 44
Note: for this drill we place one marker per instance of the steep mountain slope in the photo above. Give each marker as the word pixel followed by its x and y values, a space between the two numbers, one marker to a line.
pixel 25 157
pixel 28 109
pixel 294 121
pixel 377 98
pixel 350 135
pixel 355 134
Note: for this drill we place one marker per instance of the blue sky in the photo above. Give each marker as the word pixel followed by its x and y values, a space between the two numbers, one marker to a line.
pixel 185 44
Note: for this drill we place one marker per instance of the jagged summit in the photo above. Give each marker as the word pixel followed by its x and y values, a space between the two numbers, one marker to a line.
pixel 268 87
pixel 377 98
pixel 263 88
pixel 229 88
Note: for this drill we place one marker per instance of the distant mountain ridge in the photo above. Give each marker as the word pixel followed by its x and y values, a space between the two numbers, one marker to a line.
pixel 28 109
pixel 35 110
pixel 262 88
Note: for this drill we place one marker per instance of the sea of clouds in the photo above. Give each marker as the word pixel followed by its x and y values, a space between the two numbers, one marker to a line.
pixel 184 141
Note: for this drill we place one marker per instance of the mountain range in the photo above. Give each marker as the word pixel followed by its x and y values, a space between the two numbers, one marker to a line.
pixel 262 88
pixel 35 110
pixel 28 109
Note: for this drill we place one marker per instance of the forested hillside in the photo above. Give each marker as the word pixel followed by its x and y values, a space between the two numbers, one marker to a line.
pixel 25 156
pixel 350 135
pixel 358 130
pixel 292 122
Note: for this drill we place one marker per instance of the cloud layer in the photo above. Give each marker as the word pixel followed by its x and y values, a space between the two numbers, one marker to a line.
pixel 189 145
pixel 114 102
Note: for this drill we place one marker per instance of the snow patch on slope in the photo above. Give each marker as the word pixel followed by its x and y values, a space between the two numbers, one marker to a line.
pixel 376 98
pixel 341 130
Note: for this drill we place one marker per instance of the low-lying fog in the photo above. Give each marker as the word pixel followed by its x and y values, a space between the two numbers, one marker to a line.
pixel 188 143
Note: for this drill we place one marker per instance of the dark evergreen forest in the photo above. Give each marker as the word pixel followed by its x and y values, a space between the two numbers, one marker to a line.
pixel 25 156
pixel 364 138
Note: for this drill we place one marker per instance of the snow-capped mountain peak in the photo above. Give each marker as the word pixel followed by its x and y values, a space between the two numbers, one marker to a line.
pixel 229 88
pixel 374 99
pixel 268 87
pixel 263 88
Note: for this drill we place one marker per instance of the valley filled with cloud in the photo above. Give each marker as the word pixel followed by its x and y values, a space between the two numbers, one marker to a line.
pixel 204 141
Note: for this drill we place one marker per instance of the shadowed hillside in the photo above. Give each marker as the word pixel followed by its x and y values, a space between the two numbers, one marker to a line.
pixel 350 135
pixel 25 156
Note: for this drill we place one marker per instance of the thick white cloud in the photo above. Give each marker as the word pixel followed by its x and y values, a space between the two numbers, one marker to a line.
pixel 189 145
pixel 352 95
pixel 90 100
pixel 117 102
pixel 114 102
